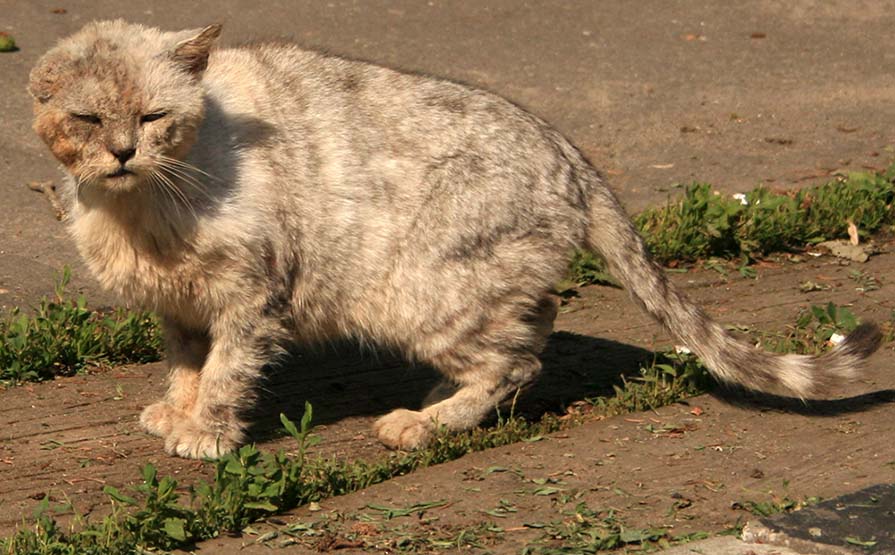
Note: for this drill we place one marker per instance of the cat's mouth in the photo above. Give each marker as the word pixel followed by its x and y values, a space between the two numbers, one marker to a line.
pixel 120 172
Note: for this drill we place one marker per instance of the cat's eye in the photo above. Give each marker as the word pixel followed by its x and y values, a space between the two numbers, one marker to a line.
pixel 87 118
pixel 152 117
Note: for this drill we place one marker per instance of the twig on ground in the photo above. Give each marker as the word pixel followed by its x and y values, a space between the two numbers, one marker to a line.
pixel 49 189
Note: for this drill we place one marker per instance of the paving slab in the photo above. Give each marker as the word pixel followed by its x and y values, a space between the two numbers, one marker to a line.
pixel 858 522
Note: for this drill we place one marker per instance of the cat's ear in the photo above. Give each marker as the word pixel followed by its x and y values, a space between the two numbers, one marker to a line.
pixel 192 54
pixel 43 81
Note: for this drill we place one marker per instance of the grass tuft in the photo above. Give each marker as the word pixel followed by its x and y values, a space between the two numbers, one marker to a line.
pixel 587 531
pixel 62 337
pixel 703 223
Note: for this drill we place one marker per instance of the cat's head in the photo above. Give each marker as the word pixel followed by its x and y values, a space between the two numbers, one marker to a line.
pixel 114 100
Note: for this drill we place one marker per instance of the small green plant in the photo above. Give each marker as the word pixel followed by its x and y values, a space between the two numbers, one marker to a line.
pixel 250 484
pixel 586 267
pixel 63 336
pixel 704 224
pixel 813 330
pixel 588 531
pixel 699 225
pixel 158 519
pixel 671 377
pixel 775 505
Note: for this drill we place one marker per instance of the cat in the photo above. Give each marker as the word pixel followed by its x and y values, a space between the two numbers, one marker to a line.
pixel 266 194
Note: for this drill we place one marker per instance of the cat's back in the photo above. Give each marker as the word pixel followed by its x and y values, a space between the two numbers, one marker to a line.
pixel 383 145
pixel 282 78
pixel 307 90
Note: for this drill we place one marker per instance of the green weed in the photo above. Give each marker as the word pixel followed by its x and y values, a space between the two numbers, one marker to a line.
pixel 62 337
pixel 670 378
pixel 589 268
pixel 585 531
pixel 703 223
pixel 775 505
pixel 813 330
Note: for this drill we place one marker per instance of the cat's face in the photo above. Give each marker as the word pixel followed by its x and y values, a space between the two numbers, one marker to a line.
pixel 115 101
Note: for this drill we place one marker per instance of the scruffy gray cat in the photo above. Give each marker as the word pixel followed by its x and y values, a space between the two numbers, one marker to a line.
pixel 258 195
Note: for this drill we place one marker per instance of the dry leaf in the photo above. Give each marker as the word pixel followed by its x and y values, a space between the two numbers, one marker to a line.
pixel 853 234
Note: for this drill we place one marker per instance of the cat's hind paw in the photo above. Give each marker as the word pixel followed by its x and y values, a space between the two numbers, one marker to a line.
pixel 190 441
pixel 160 418
pixel 404 429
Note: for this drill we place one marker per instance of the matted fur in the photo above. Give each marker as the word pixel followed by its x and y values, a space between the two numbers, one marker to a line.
pixel 273 194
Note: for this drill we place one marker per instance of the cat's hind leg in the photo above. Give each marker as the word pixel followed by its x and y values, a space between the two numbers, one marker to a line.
pixel 488 366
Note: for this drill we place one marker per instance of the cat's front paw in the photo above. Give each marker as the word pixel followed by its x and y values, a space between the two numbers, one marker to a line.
pixel 192 441
pixel 160 418
pixel 404 429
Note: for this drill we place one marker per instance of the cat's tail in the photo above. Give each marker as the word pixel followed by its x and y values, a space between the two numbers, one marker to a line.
pixel 612 235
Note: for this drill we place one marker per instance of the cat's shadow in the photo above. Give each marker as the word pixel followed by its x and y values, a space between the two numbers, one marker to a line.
pixel 342 381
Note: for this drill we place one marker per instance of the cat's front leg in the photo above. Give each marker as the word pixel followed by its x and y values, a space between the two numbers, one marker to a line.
pixel 186 351
pixel 214 425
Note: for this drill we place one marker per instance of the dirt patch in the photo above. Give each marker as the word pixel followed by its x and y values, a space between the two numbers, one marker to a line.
pixel 72 436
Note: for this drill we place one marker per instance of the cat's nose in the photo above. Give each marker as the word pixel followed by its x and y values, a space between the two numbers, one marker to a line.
pixel 124 154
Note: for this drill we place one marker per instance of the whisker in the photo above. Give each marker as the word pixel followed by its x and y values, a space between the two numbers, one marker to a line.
pixel 176 190
pixel 160 186
pixel 86 178
pixel 171 196
pixel 186 165
pixel 197 185
pixel 164 185
pixel 185 180
pixel 180 170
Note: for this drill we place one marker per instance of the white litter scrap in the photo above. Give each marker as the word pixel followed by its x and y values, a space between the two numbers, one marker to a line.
pixel 681 350
pixel 742 198
pixel 836 339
